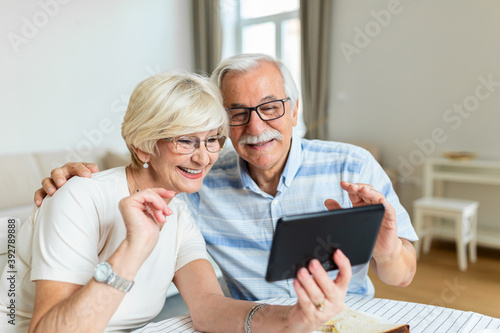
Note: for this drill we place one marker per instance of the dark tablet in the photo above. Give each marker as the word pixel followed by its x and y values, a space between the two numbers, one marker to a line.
pixel 300 238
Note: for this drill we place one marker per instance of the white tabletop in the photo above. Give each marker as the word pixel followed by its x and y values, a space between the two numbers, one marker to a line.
pixel 420 317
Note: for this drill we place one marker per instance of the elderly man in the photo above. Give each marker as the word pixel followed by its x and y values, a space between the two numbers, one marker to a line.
pixel 271 173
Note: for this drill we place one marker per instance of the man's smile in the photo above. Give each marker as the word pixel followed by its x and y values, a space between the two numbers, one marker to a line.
pixel 260 144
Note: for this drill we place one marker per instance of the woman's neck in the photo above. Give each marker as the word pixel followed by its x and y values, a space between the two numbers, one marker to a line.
pixel 139 179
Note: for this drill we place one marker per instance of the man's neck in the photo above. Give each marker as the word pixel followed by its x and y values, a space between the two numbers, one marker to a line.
pixel 267 180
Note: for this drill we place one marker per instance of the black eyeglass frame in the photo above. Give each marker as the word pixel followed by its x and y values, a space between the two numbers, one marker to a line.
pixel 218 137
pixel 256 111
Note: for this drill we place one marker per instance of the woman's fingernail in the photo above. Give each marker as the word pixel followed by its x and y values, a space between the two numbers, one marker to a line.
pixel 86 174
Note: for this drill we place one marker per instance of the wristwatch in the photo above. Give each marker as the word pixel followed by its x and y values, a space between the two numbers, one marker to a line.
pixel 104 273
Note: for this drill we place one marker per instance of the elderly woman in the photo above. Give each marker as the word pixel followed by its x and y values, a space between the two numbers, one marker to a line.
pixel 101 253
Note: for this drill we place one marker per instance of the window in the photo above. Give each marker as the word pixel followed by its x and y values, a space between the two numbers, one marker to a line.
pixel 264 26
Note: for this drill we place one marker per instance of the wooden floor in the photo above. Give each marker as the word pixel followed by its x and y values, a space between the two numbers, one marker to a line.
pixel 439 282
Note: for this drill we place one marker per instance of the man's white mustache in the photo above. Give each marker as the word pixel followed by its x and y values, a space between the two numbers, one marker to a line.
pixel 262 137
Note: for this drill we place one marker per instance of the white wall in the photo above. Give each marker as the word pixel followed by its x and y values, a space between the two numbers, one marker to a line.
pixel 395 85
pixel 68 67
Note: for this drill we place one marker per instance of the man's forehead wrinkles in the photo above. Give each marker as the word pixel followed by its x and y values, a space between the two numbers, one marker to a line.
pixel 265 99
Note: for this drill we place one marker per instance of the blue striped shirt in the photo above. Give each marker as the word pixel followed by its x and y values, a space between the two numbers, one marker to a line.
pixel 238 219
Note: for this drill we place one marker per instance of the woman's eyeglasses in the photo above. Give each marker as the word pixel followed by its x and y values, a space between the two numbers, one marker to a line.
pixel 188 144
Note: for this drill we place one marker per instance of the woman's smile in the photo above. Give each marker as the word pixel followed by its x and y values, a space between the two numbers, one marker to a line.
pixel 191 173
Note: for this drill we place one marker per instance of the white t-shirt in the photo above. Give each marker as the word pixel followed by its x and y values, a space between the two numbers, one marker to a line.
pixel 81 226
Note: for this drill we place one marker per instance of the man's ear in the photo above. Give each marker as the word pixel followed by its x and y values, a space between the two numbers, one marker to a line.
pixel 295 115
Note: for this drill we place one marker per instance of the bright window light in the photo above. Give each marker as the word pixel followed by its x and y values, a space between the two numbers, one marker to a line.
pixel 264 26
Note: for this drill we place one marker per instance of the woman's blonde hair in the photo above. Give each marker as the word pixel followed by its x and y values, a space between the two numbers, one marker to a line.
pixel 169 105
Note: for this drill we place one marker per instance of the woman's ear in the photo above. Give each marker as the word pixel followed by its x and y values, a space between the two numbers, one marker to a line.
pixel 143 156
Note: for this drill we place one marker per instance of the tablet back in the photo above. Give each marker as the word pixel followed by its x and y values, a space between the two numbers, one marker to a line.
pixel 300 238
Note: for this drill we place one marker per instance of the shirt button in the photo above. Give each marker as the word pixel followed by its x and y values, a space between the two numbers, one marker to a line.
pixel 275 202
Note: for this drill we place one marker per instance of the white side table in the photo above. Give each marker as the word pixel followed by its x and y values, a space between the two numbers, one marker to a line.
pixel 439 171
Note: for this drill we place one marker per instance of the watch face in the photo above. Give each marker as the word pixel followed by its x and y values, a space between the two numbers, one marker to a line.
pixel 102 271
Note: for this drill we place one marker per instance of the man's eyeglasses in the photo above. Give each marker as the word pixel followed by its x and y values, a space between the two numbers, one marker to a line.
pixel 188 144
pixel 266 111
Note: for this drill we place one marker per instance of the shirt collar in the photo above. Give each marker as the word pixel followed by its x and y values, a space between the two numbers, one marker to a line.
pixel 246 180
pixel 294 160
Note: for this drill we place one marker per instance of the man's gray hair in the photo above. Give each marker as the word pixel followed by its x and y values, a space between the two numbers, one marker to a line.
pixel 242 63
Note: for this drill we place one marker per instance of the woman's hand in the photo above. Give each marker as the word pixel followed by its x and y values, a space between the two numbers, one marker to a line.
pixel 144 214
pixel 319 298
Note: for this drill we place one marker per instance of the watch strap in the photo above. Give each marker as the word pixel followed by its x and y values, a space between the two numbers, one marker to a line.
pixel 119 283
